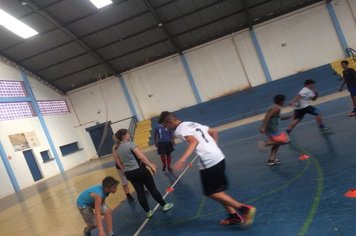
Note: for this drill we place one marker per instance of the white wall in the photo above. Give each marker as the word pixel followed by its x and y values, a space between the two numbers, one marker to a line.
pixel 6 186
pixel 17 162
pixel 217 69
pixel 160 86
pixel 98 103
pixel 61 128
pixel 249 58
pixel 310 39
pixel 346 16
pixel 8 73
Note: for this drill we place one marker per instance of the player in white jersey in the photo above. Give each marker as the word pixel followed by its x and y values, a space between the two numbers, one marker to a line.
pixel 302 106
pixel 203 140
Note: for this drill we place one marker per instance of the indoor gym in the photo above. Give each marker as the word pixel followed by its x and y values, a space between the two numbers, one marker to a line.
pixel 88 72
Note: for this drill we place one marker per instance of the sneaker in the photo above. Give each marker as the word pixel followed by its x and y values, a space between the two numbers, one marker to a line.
pixel 167 206
pixel 278 162
pixel 149 214
pixel 271 163
pixel 248 214
pixel 324 129
pixel 353 113
pixel 86 233
pixel 164 168
pixel 232 220
pixel 170 169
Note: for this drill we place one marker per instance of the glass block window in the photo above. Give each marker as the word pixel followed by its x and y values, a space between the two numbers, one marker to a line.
pixel 12 89
pixel 16 110
pixel 53 107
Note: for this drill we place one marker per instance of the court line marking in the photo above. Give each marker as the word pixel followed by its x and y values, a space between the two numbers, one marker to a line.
pixel 258 197
pixel 317 198
pixel 166 194
pixel 311 214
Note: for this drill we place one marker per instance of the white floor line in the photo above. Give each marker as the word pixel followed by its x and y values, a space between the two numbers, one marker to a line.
pixel 166 194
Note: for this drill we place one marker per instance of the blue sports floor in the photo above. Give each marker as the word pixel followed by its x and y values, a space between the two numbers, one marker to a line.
pixel 295 198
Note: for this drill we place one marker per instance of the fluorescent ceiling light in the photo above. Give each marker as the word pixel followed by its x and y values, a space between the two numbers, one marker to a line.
pixel 16 26
pixel 101 3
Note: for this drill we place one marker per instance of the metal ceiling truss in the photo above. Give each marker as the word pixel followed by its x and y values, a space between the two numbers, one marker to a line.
pixel 55 28
pixel 18 66
pixel 153 11
pixel 118 23
pixel 86 16
pixel 163 26
pixel 160 41
pixel 54 21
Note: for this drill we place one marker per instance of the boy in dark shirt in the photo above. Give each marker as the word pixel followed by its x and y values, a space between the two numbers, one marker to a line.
pixel 349 76
pixel 164 142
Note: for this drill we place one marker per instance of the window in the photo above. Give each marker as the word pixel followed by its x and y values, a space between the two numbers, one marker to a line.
pixel 12 89
pixel 16 110
pixel 46 156
pixel 53 107
pixel 69 148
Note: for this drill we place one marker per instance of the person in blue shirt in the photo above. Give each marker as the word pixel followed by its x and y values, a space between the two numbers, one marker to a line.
pixel 164 142
pixel 91 205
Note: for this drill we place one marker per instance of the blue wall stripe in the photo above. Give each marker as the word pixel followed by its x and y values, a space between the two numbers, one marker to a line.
pixel 337 27
pixel 8 168
pixel 127 95
pixel 42 121
pixel 260 55
pixel 17 99
pixel 189 74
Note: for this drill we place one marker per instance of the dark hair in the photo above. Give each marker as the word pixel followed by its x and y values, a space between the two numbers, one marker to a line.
pixel 163 116
pixel 109 182
pixel 345 62
pixel 309 81
pixel 120 134
pixel 279 98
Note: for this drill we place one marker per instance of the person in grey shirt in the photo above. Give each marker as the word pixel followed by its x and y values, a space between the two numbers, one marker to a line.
pixel 134 162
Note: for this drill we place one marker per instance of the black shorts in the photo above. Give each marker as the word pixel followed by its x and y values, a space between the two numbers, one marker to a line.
pixel 165 148
pixel 213 179
pixel 300 113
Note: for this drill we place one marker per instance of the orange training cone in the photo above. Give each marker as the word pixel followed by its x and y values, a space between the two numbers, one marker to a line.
pixel 170 189
pixel 190 164
pixel 303 157
pixel 351 193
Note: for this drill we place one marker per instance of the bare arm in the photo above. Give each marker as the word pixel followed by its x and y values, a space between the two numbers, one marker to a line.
pixel 214 133
pixel 316 94
pixel 192 144
pixel 117 159
pixel 97 205
pixel 295 100
pixel 142 157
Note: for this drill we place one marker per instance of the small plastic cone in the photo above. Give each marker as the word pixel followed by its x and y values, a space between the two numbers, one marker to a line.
pixel 190 164
pixel 303 157
pixel 170 189
pixel 351 193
